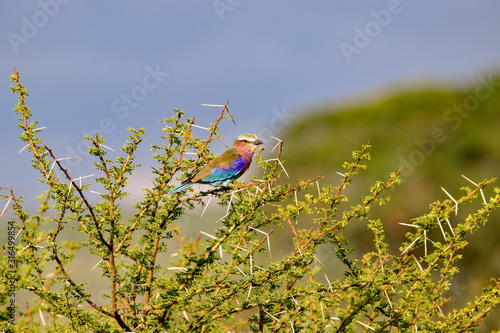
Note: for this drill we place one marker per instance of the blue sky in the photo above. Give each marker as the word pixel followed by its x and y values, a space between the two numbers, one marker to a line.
pixel 270 59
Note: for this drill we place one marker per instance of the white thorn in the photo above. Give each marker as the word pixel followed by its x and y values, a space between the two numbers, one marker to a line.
pixel 177 269
pixel 95 192
pixel 249 291
pixel 251 264
pixel 83 177
pixel 275 146
pixel 470 181
pixel 52 167
pixel 455 201
pixel 272 316
pixel 449 225
pixel 480 190
pixel 316 258
pixel 295 301
pixel 96 265
pixel 207 129
pixel 220 250
pixel 267 235
pixel 207 234
pixel 390 303
pixel 286 173
pixel 241 248
pixel 365 325
pixel 442 231
pixel 418 263
pixel 327 279
pixel 409 225
pixel 482 194
pixel 69 189
pixel 41 316
pixel 18 253
pixel 340 174
pixel 322 311
pixel 275 138
pixel 291 324
pixel 108 148
pixel 241 271
pixel 206 206
pixel 278 160
pixel 410 245
pixel 425 241
pixel 68 158
pixel 222 218
pixel 279 142
pixel 319 191
pixel 6 206
pixel 250 198
pixel 230 201
pixel 19 152
pixel 18 233
pixel 269 245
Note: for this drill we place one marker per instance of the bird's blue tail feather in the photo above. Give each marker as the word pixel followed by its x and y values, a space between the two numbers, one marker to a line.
pixel 180 188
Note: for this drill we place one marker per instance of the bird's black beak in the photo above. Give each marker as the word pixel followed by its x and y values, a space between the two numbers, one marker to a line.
pixel 258 142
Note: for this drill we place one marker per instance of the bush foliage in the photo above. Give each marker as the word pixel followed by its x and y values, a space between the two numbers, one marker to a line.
pixel 228 281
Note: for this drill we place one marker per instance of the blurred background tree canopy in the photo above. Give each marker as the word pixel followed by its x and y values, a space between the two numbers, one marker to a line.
pixel 437 134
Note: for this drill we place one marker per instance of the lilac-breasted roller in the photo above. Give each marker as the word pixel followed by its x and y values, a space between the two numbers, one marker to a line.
pixel 228 166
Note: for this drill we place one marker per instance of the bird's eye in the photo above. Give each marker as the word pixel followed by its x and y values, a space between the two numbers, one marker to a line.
pixel 244 140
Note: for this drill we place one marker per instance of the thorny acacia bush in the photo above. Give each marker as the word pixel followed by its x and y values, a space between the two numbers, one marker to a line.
pixel 227 281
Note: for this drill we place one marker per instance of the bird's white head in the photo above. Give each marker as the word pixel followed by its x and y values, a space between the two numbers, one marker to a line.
pixel 247 142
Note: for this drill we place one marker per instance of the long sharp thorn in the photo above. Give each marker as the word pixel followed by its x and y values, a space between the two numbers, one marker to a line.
pixel 19 152
pixel 409 225
pixel 327 279
pixel 6 206
pixel 365 325
pixel 455 201
pixel 206 206
pixel 249 291
pixel 108 148
pixel 409 246
pixel 449 225
pixel 442 231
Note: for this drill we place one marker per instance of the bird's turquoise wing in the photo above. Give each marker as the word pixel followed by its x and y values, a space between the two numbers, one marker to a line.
pixel 224 175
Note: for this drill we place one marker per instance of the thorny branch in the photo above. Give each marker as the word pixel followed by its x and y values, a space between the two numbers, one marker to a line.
pixel 202 291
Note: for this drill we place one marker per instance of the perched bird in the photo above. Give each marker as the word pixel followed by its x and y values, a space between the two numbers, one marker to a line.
pixel 226 167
